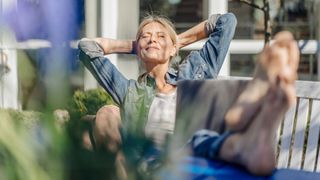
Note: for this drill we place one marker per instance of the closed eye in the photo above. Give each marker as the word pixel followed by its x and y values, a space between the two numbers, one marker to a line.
pixel 161 35
pixel 145 35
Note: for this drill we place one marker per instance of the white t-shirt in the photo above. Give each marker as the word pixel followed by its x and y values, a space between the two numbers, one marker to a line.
pixel 161 118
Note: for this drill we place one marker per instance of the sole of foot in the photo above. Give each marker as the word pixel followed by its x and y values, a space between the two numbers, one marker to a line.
pixel 277 64
pixel 253 148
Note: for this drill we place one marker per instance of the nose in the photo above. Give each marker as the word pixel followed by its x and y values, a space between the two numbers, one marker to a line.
pixel 153 38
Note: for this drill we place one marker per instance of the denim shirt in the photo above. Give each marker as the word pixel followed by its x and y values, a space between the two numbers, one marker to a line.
pixel 135 97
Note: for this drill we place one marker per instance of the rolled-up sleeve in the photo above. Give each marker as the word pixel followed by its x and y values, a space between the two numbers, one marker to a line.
pixel 108 76
pixel 221 29
pixel 90 48
pixel 211 23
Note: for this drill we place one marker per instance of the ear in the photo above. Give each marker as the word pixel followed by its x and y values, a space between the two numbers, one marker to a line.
pixel 174 50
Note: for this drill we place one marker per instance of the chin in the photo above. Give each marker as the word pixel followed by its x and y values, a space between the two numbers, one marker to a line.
pixel 159 61
pixel 153 59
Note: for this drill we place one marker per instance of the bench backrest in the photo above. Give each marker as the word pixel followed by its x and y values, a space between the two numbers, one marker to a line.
pixel 298 135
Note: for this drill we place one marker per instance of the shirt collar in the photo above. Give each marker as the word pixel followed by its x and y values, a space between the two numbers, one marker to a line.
pixel 146 79
pixel 171 77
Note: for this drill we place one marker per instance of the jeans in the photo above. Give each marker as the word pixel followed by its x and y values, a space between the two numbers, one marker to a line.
pixel 207 144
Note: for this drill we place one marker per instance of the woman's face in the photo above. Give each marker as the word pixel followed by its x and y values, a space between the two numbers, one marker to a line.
pixel 155 44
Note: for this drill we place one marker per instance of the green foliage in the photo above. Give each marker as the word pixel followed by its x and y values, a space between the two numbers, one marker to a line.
pixel 27 119
pixel 32 147
pixel 29 147
pixel 88 102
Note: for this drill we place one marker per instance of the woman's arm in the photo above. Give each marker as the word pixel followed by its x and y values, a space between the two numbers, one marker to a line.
pixel 109 77
pixel 111 46
pixel 198 32
pixel 192 35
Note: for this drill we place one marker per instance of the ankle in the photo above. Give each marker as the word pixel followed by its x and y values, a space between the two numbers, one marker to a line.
pixel 229 150
pixel 258 159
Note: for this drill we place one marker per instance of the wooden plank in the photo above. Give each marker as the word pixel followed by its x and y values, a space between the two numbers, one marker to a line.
pixel 304 89
pixel 313 137
pixel 308 89
pixel 283 158
pixel 316 115
pixel 297 148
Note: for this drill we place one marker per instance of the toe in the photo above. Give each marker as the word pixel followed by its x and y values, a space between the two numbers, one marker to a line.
pixel 283 37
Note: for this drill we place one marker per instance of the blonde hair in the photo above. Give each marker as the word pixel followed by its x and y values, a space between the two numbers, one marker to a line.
pixel 165 22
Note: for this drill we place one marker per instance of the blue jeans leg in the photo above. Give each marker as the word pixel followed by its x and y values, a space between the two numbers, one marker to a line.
pixel 207 144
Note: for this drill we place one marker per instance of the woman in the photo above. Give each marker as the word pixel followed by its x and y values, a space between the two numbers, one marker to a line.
pixel 156 45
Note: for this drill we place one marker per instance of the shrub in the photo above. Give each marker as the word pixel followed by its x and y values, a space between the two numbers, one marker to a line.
pixel 88 102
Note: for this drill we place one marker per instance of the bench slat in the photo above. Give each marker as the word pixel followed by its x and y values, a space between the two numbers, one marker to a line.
pixel 308 89
pixel 313 137
pixel 283 158
pixel 316 116
pixel 297 148
pixel 304 89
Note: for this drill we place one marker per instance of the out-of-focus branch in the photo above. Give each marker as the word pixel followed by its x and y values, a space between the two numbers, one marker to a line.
pixel 250 4
pixel 267 23
pixel 265 9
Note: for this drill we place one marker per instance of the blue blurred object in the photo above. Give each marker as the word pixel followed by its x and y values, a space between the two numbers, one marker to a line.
pixel 198 168
pixel 58 21
pixel 54 20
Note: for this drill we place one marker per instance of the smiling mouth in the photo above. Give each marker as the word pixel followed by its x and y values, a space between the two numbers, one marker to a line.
pixel 152 48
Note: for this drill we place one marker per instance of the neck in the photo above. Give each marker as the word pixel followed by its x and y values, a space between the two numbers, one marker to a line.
pixel 158 72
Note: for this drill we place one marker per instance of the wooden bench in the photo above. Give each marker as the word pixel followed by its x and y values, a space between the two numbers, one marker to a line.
pixel 298 139
pixel 298 135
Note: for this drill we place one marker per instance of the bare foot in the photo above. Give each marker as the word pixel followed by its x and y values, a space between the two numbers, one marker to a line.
pixel 277 63
pixel 253 148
